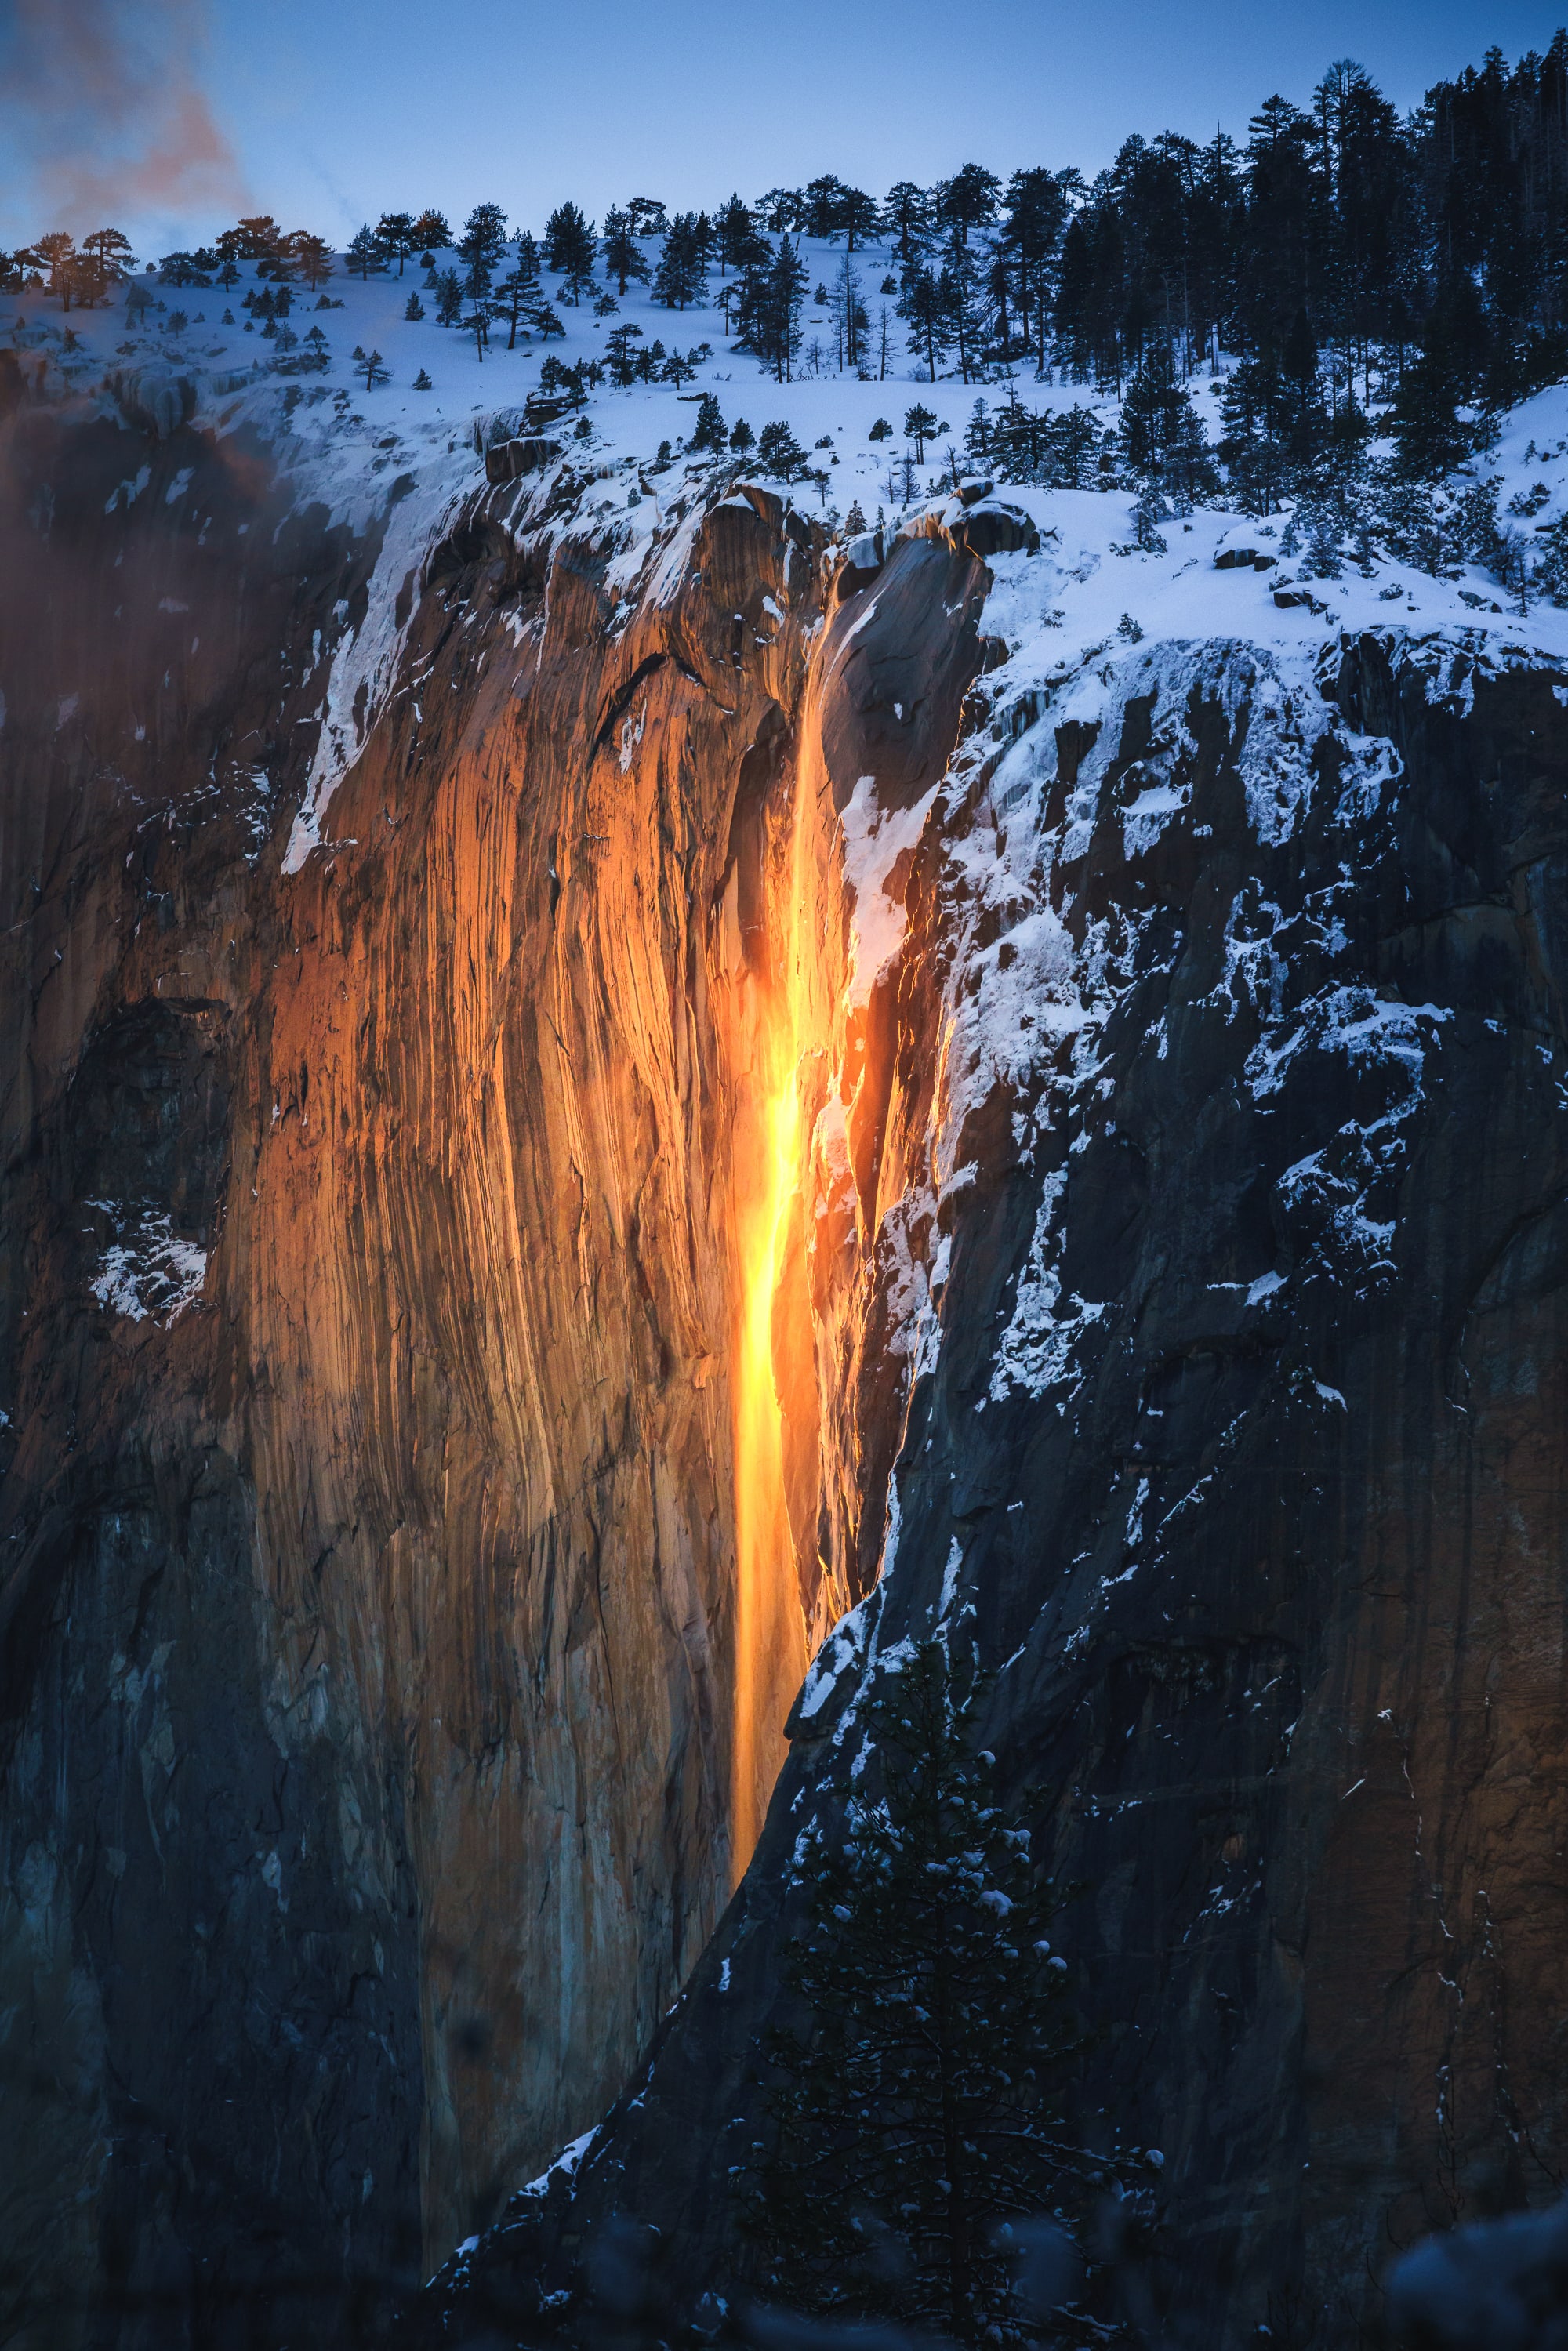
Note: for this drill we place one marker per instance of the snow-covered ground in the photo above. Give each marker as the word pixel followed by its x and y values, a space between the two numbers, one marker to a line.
pixel 1079 618
pixel 353 451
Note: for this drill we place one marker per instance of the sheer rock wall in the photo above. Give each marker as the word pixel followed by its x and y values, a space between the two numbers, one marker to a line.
pixel 369 1294
pixel 1236 1449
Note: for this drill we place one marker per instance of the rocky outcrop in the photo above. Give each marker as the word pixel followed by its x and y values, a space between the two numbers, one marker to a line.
pixel 1233 1448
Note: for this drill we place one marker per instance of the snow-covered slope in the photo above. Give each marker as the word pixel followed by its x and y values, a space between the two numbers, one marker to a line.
pixel 349 442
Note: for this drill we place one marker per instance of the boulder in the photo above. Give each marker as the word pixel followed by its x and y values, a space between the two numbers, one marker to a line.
pixel 997 530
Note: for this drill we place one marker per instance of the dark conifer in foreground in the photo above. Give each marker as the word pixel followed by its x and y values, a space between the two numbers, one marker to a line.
pixel 779 454
pixel 708 431
pixel 681 279
pixel 396 233
pixel 365 256
pixel 571 249
pixel 916 2101
pixel 431 231
pixel 623 257
pixel 479 249
pixel 519 296
pixel 919 423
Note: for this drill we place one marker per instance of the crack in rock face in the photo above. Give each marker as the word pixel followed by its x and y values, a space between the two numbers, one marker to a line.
pixel 605 1130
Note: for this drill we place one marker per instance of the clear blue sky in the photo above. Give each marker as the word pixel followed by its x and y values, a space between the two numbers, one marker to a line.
pixel 337 109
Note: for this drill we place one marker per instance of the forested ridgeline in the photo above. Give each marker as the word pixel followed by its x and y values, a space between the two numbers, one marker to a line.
pixel 1370 288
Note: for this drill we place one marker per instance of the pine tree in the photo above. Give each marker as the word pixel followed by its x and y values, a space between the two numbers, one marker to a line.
pixel 741 437
pixel 374 371
pixel 448 297
pixel 413 309
pixel 919 423
pixel 479 248
pixel 779 454
pixel 57 252
pixel 960 291
pixel 735 237
pixel 432 232
pixel 395 233
pixel 623 259
pixel 1551 574
pixel 257 238
pixel 1511 565
pixel 1034 214
pixel 859 216
pixel 1162 436
pixel 519 294
pixel 571 249
pixel 1428 432
pixel 848 311
pixel 1253 409
pixel 781 210
pixel 312 257
pixel 708 431
pixel 968 201
pixel 1149 510
pixel 822 203
pixel 777 294
pixel 925 304
pixel 618 356
pixel 364 254
pixel 108 259
pixel 914 2105
pixel 906 224
pixel 680 278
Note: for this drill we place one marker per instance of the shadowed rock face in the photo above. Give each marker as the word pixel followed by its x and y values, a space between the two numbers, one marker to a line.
pixel 1245 1423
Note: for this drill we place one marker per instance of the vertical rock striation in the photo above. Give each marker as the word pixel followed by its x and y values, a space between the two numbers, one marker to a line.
pixel 373 1284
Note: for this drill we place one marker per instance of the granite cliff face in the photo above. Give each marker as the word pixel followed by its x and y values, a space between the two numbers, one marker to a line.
pixel 1233 1448
pixel 391 1695
pixel 571 1103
